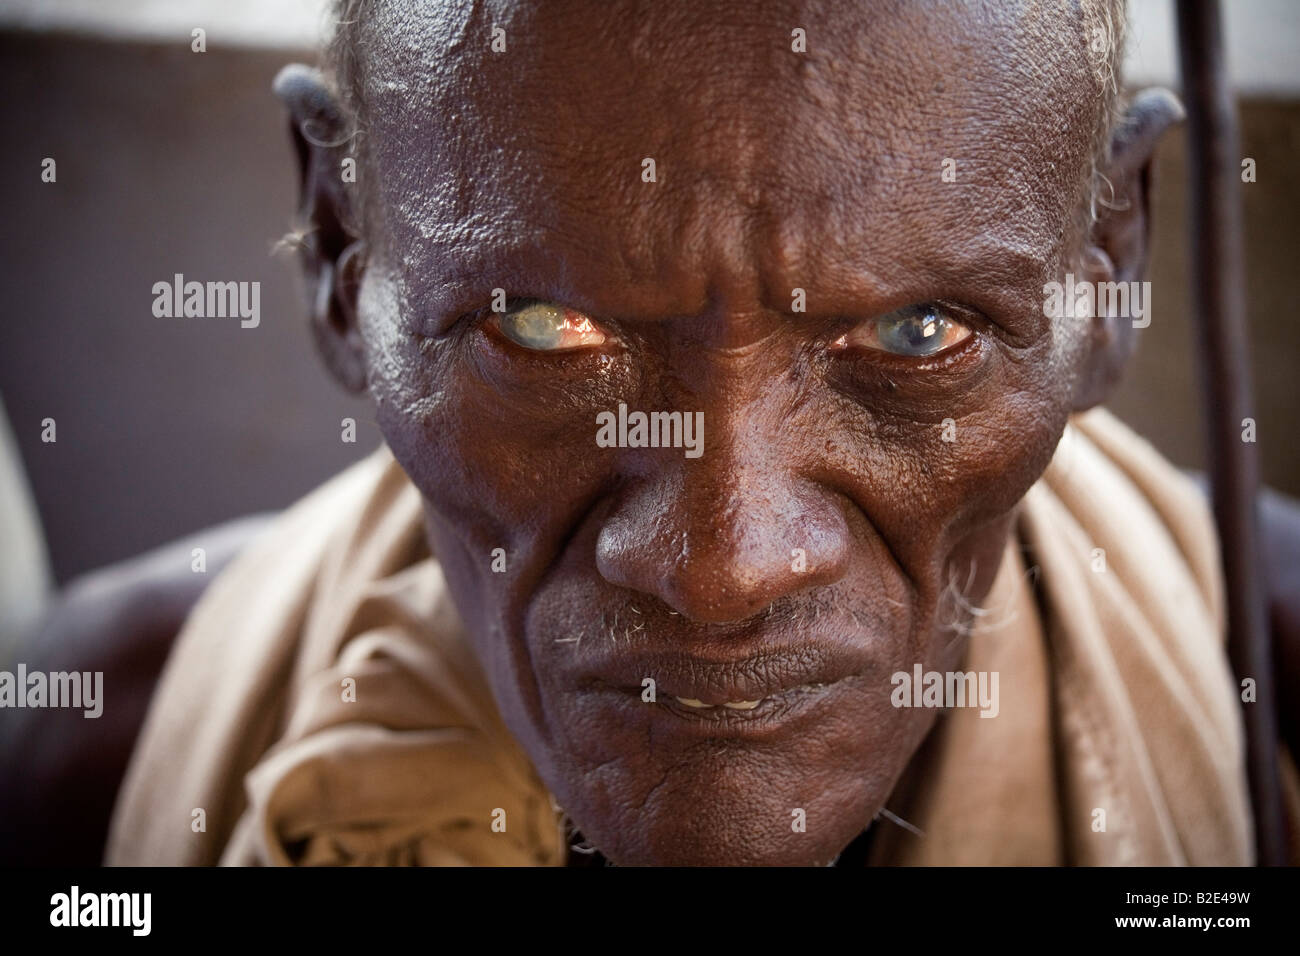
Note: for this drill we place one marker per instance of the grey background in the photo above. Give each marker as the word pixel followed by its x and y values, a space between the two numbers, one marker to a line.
pixel 168 161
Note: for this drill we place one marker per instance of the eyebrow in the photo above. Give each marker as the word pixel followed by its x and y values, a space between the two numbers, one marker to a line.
pixel 992 272
pixel 561 271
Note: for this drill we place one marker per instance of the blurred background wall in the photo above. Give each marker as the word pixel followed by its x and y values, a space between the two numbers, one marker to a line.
pixel 171 161
pixel 168 161
pixel 1161 396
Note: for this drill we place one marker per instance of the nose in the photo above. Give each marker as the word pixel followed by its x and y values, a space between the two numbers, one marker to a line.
pixel 720 538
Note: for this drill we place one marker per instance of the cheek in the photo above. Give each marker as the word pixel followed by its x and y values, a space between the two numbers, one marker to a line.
pixel 496 497
pixel 498 456
pixel 502 450
pixel 934 486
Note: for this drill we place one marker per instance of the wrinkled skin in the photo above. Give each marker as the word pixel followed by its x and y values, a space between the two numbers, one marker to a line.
pixel 775 171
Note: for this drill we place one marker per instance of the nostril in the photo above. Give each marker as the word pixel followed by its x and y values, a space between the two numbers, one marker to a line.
pixel 722 584
pixel 705 599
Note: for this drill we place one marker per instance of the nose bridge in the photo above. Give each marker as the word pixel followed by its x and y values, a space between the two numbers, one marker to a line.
pixel 721 537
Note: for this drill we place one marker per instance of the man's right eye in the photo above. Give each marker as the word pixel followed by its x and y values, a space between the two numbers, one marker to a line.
pixel 547 327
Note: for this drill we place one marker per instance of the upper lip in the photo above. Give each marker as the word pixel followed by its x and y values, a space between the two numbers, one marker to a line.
pixel 716 678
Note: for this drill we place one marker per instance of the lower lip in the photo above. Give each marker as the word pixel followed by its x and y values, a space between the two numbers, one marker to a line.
pixel 775 715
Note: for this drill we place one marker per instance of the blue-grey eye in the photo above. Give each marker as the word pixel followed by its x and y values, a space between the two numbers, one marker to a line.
pixel 916 331
pixel 547 327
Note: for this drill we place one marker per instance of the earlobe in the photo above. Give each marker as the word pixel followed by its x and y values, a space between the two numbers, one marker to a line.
pixel 1117 249
pixel 330 250
pixel 334 318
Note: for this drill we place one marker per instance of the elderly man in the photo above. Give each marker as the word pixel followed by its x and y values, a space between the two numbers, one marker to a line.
pixel 738 504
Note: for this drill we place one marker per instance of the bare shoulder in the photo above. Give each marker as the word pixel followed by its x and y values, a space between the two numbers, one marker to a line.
pixel 61 767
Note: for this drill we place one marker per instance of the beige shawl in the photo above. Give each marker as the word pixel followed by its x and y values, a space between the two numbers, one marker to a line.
pixel 1118 741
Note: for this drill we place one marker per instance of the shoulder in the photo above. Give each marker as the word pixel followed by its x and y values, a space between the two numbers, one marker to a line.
pixel 62 768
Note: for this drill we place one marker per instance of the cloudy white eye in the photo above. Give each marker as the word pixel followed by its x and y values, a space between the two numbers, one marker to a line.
pixel 547 327
pixel 916 331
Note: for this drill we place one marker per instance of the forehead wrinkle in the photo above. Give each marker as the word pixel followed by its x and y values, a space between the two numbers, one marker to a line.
pixel 942 238
pixel 460 270
pixel 485 169
pixel 589 167
pixel 1018 168
pixel 720 214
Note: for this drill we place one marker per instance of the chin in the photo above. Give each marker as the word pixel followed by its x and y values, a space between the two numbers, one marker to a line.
pixel 728 808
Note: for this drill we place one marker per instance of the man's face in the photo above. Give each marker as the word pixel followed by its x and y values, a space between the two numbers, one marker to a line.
pixel 852 470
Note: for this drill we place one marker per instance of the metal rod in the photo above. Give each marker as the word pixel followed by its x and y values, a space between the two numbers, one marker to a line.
pixel 1218 290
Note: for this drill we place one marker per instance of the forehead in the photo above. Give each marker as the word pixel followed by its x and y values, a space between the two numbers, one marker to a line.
pixel 773 168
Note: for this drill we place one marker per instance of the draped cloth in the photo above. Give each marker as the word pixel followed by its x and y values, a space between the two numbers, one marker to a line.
pixel 322 704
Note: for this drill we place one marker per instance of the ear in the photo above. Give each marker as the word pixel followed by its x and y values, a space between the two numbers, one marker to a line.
pixel 1117 249
pixel 332 251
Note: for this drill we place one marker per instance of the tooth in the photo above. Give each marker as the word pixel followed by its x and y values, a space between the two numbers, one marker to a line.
pixel 742 704
pixel 692 702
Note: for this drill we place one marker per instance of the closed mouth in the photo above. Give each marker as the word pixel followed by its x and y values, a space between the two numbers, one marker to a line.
pixel 702 679
pixel 781 715
pixel 752 692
